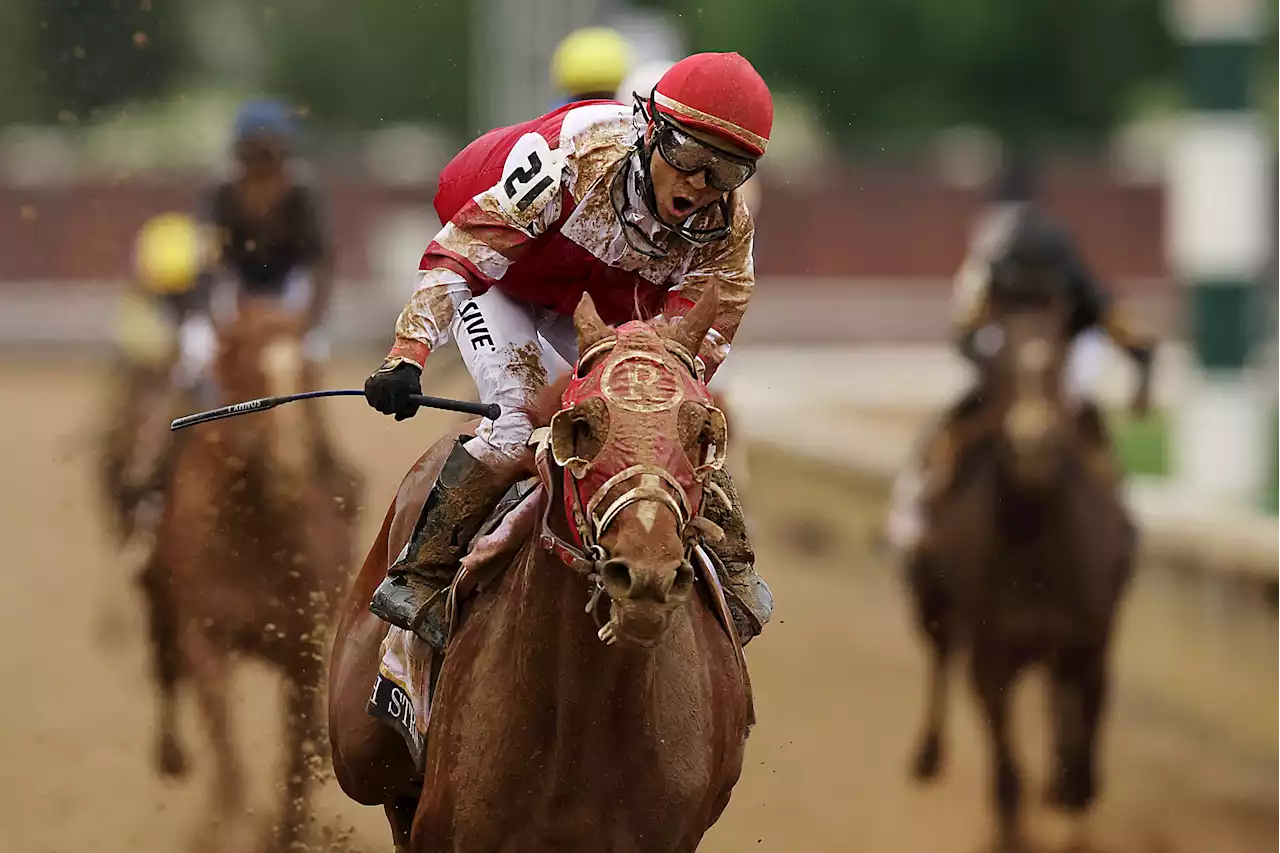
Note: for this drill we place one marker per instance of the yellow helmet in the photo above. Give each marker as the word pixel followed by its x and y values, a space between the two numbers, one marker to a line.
pixel 167 254
pixel 590 60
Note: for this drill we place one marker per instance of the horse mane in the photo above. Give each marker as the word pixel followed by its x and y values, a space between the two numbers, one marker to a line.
pixel 547 401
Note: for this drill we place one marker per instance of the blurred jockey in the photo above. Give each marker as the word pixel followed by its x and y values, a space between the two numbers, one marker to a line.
pixel 1009 228
pixel 637 208
pixel 589 64
pixel 266 238
pixel 166 262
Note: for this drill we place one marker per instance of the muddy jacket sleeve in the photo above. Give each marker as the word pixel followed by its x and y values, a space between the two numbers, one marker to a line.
pixel 474 248
pixel 730 263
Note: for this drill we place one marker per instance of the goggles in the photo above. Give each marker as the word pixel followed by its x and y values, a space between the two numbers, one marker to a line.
pixel 684 153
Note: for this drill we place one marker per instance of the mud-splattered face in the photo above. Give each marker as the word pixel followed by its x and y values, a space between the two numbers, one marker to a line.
pixel 637 435
pixel 680 195
pixel 691 170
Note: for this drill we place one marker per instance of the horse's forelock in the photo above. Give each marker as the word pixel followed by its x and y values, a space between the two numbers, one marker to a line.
pixel 665 327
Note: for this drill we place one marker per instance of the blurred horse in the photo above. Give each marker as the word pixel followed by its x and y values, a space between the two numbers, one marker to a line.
pixel 1027 555
pixel 128 449
pixel 140 401
pixel 549 732
pixel 251 557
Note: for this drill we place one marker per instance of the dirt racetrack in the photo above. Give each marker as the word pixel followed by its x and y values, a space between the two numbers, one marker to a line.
pixel 838 679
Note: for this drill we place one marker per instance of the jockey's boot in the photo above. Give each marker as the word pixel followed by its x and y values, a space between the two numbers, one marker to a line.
pixel 416 590
pixel 748 596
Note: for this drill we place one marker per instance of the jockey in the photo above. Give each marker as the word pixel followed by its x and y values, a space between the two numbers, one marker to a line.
pixel 266 238
pixel 589 64
pixel 636 207
pixel 1093 316
pixel 640 82
pixel 166 261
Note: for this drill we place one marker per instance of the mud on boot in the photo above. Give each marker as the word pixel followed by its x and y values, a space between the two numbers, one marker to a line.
pixel 748 596
pixel 416 590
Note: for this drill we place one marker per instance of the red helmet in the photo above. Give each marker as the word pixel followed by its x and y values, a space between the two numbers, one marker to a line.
pixel 721 94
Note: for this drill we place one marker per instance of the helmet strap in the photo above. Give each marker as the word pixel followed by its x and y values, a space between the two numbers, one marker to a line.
pixel 620 194
pixel 645 151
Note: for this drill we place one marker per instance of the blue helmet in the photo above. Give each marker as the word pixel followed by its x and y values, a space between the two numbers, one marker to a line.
pixel 263 117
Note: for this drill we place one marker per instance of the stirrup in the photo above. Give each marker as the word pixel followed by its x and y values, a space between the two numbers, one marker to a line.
pixel 407 601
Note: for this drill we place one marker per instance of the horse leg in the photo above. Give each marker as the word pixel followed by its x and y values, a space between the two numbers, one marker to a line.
pixel 932 611
pixel 1079 696
pixel 993 675
pixel 400 812
pixel 301 743
pixel 210 670
pixel 163 624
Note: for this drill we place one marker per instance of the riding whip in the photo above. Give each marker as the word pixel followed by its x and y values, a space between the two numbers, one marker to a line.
pixel 484 410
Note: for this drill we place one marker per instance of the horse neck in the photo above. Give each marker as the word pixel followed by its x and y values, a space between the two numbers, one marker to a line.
pixel 568 641
pixel 553 645
pixel 1022 510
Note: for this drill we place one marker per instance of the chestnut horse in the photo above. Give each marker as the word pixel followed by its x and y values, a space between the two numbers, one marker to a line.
pixel 252 554
pixel 549 732
pixel 1025 562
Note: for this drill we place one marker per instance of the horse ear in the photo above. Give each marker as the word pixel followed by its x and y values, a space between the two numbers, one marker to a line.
pixel 591 329
pixel 690 331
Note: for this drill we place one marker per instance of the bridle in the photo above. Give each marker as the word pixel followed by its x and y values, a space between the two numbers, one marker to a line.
pixel 591 515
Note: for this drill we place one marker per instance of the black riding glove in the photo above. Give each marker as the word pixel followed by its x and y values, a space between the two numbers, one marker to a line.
pixel 389 388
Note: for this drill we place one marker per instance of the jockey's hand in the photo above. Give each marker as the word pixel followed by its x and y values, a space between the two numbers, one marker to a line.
pixel 389 388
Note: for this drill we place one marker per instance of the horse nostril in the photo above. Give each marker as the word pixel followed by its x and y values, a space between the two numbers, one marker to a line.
pixel 617 576
pixel 684 578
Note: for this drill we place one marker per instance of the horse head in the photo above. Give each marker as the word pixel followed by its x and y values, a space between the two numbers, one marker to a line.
pixel 259 354
pixel 629 454
pixel 1024 373
pixel 259 350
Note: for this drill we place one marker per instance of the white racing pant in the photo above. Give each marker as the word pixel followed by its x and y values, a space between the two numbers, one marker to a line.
pixel 905 522
pixel 511 349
